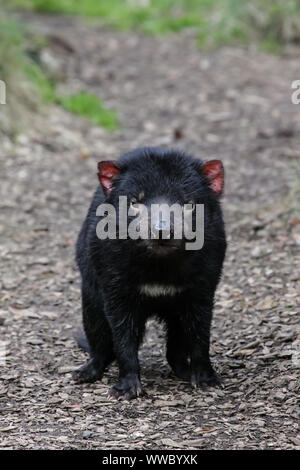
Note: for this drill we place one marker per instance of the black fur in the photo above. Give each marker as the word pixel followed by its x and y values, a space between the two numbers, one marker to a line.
pixel 82 340
pixel 114 309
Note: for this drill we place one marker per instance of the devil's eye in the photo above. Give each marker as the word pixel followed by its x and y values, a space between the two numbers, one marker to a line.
pixel 190 206
pixel 134 203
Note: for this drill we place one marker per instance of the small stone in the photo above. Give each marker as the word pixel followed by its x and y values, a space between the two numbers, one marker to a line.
pixel 279 396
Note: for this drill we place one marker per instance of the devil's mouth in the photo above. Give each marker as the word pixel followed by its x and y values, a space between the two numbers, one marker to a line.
pixel 166 244
pixel 162 246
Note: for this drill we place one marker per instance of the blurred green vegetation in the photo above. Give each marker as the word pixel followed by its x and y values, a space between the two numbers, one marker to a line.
pixel 28 85
pixel 21 94
pixel 271 23
pixel 87 104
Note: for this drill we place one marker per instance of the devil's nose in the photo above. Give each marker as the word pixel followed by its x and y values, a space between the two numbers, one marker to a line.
pixel 161 226
pixel 161 229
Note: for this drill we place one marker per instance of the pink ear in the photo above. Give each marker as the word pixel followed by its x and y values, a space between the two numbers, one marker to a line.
pixel 214 171
pixel 108 170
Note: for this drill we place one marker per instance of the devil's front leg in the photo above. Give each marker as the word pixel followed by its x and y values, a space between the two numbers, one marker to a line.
pixel 178 347
pixel 98 335
pixel 198 315
pixel 127 325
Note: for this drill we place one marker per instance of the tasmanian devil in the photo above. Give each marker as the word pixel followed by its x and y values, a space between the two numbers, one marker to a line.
pixel 135 262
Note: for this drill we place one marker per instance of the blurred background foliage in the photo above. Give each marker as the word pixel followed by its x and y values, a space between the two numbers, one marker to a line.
pixel 217 21
pixel 14 70
pixel 270 24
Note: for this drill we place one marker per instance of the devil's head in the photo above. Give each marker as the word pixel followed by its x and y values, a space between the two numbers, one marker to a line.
pixel 163 194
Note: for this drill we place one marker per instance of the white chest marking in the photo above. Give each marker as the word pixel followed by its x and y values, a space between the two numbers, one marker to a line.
pixel 157 290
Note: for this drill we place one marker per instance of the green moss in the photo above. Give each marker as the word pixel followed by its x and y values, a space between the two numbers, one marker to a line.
pixel 89 105
pixel 45 86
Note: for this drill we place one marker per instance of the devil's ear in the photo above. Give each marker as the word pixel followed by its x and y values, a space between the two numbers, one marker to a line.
pixel 107 172
pixel 214 172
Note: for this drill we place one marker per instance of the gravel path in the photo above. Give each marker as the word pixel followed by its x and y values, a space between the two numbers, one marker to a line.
pixel 232 104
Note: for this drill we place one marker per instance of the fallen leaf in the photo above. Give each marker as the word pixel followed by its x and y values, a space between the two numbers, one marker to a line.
pixel 244 352
pixel 266 304
pixel 205 430
pixel 169 403
pixel 23 313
